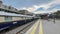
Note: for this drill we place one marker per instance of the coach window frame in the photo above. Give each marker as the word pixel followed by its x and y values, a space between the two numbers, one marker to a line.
pixel 8 18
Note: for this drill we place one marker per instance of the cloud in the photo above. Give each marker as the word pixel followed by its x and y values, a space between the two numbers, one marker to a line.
pixel 45 6
pixel 54 5
pixel 30 9
pixel 56 1
pixel 23 8
pixel 35 7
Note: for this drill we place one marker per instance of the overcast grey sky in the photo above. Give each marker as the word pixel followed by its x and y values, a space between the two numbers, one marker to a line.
pixel 34 5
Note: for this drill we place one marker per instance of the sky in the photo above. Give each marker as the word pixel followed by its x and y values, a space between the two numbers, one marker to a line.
pixel 36 6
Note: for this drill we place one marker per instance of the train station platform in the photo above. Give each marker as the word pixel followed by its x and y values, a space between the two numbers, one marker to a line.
pixel 45 27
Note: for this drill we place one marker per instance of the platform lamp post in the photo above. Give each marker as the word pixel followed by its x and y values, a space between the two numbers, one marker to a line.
pixel 54 18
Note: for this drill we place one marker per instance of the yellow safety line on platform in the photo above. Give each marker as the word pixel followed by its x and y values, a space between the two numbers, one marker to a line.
pixel 34 28
pixel 40 28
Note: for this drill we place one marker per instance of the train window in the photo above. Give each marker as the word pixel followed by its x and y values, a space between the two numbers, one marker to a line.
pixel 8 18
pixel 0 9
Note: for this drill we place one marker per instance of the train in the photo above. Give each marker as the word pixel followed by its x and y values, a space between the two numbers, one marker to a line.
pixel 11 19
pixel 8 19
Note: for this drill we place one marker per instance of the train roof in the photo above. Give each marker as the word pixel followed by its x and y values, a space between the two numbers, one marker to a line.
pixel 2 13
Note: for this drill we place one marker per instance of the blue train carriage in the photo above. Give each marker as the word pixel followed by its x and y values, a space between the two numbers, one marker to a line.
pixel 10 19
pixel 6 19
